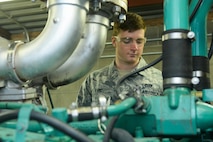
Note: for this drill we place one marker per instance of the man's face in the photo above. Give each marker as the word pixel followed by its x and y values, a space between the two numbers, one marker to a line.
pixel 129 46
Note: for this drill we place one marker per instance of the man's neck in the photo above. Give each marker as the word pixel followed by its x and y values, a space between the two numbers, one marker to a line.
pixel 125 66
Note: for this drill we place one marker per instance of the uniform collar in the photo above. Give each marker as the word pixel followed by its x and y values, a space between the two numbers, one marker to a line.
pixel 114 70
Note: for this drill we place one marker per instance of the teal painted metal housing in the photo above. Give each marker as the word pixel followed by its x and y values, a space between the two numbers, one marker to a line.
pixel 176 14
pixel 199 27
pixel 161 119
pixel 207 95
pixel 204 114
pixel 174 95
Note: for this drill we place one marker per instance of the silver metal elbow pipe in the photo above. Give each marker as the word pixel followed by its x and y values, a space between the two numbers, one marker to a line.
pixel 51 48
pixel 85 55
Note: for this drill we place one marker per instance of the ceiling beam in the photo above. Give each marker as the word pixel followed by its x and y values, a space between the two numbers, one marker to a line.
pixel 135 3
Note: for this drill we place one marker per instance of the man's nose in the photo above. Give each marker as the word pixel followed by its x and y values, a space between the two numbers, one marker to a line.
pixel 134 45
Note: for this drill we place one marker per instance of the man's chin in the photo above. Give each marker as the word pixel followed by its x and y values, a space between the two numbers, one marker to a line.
pixel 132 61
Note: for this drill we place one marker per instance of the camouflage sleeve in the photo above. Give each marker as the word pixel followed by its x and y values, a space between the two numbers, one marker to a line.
pixel 84 97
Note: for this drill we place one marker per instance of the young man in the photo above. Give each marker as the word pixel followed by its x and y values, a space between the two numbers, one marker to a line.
pixel 128 39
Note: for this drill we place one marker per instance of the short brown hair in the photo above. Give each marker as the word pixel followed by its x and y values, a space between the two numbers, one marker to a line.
pixel 132 23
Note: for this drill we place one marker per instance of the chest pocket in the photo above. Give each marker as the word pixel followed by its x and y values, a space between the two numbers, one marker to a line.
pixel 138 85
pixel 108 90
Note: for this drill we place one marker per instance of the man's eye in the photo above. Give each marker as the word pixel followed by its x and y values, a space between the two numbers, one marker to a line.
pixel 127 41
pixel 139 41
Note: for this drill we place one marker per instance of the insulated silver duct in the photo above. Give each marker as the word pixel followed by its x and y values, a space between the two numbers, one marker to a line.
pixel 3 49
pixel 24 67
pixel 85 55
pixel 22 62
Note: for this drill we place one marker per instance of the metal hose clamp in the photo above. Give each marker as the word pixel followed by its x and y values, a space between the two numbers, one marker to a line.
pixel 101 126
pixel 11 63
pixel 178 35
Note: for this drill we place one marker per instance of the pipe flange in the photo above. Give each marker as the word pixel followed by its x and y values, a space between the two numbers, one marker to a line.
pixel 80 3
pixel 98 19
pixel 11 63
pixel 122 3
pixel 49 84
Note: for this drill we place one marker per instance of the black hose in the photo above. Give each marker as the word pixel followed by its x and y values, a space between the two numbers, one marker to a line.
pixel 50 98
pixel 55 123
pixel 8 115
pixel 139 70
pixel 210 49
pixel 109 129
pixel 121 135
pixel 195 10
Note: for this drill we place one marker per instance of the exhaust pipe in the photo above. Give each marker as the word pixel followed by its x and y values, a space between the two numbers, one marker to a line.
pixel 86 54
pixel 23 62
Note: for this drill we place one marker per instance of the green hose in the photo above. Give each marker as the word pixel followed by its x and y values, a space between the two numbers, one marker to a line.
pixel 122 107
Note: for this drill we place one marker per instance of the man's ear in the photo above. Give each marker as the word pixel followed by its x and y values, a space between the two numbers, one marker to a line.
pixel 113 41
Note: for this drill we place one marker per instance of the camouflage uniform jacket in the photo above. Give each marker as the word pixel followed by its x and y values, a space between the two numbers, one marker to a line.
pixel 104 81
